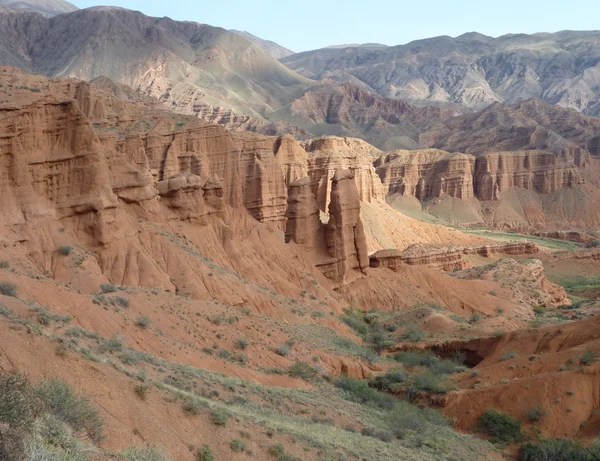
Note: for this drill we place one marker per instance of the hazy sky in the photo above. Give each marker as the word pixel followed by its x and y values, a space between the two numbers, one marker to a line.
pixel 311 24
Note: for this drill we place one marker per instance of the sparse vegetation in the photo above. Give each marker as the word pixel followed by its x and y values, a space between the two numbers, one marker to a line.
pixel 241 344
pixel 144 454
pixel 558 450
pixel 509 355
pixel 220 417
pixel 238 445
pixel 302 370
pixel 4 265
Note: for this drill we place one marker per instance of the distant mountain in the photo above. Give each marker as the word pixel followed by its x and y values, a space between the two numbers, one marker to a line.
pixel 46 8
pixel 275 50
pixel 185 64
pixel 473 70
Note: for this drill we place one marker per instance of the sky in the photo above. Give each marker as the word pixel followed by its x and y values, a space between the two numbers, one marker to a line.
pixel 312 24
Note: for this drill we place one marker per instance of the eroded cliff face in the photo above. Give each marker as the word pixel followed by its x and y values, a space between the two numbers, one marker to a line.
pixel 433 173
pixel 444 257
pixel 427 173
pixel 328 154
pixel 340 246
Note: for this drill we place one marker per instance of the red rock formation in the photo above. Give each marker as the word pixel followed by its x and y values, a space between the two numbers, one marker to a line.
pixel 447 258
pixel 427 173
pixel 292 158
pixel 330 154
pixel 571 236
pixel 538 171
pixel 345 237
pixel 303 224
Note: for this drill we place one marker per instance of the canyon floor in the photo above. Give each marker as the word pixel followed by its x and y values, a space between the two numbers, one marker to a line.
pixel 231 294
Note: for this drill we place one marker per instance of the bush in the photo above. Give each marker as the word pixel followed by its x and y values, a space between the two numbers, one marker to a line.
pixel 119 301
pixel 535 413
pixel 283 350
pixel 241 344
pixel 237 445
pixel 143 321
pixel 278 451
pixel 359 391
pixel 412 333
pixel 141 391
pixel 588 357
pixel 76 411
pixel 65 250
pixel 8 289
pixel 501 427
pixel 4 265
pixel 417 359
pixel 192 406
pixel 381 434
pixel 388 380
pixel 302 370
pixel 108 288
pixel 205 454
pixel 509 355
pixel 427 381
pixel 144 454
pixel 558 450
pixel 407 418
pixel 15 401
pixel 220 417
pixel 114 344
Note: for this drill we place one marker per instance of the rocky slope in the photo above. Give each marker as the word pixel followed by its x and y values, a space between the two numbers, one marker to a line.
pixel 275 50
pixel 46 8
pixel 472 70
pixel 183 63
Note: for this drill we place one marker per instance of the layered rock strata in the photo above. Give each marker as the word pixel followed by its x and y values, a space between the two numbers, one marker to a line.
pixel 447 258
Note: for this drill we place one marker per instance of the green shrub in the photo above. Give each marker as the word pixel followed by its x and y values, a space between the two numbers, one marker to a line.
pixel 4 265
pixel 501 427
pixel 237 445
pixel 535 413
pixel 359 391
pixel 143 321
pixel 144 454
pixel 8 289
pixel 65 250
pixel 427 381
pixel 114 344
pixel 220 417
pixel 193 406
pixel 558 450
pixel 108 288
pixel 302 370
pixel 509 355
pixel 355 320
pixel 16 399
pixel 278 451
pixel 588 357
pixel 241 344
pixel 119 301
pixel 205 454
pixel 141 390
pixel 388 380
pixel 417 359
pixel 381 434
pixel 406 418
pixel 412 333
pixel 283 350
pixel 76 411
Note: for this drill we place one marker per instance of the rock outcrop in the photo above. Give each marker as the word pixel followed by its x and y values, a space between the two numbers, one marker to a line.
pixel 446 258
pixel 344 234
pixel 538 171
pixel 339 247
pixel 303 224
pixel 326 155
pixel 427 173
pixel 571 236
